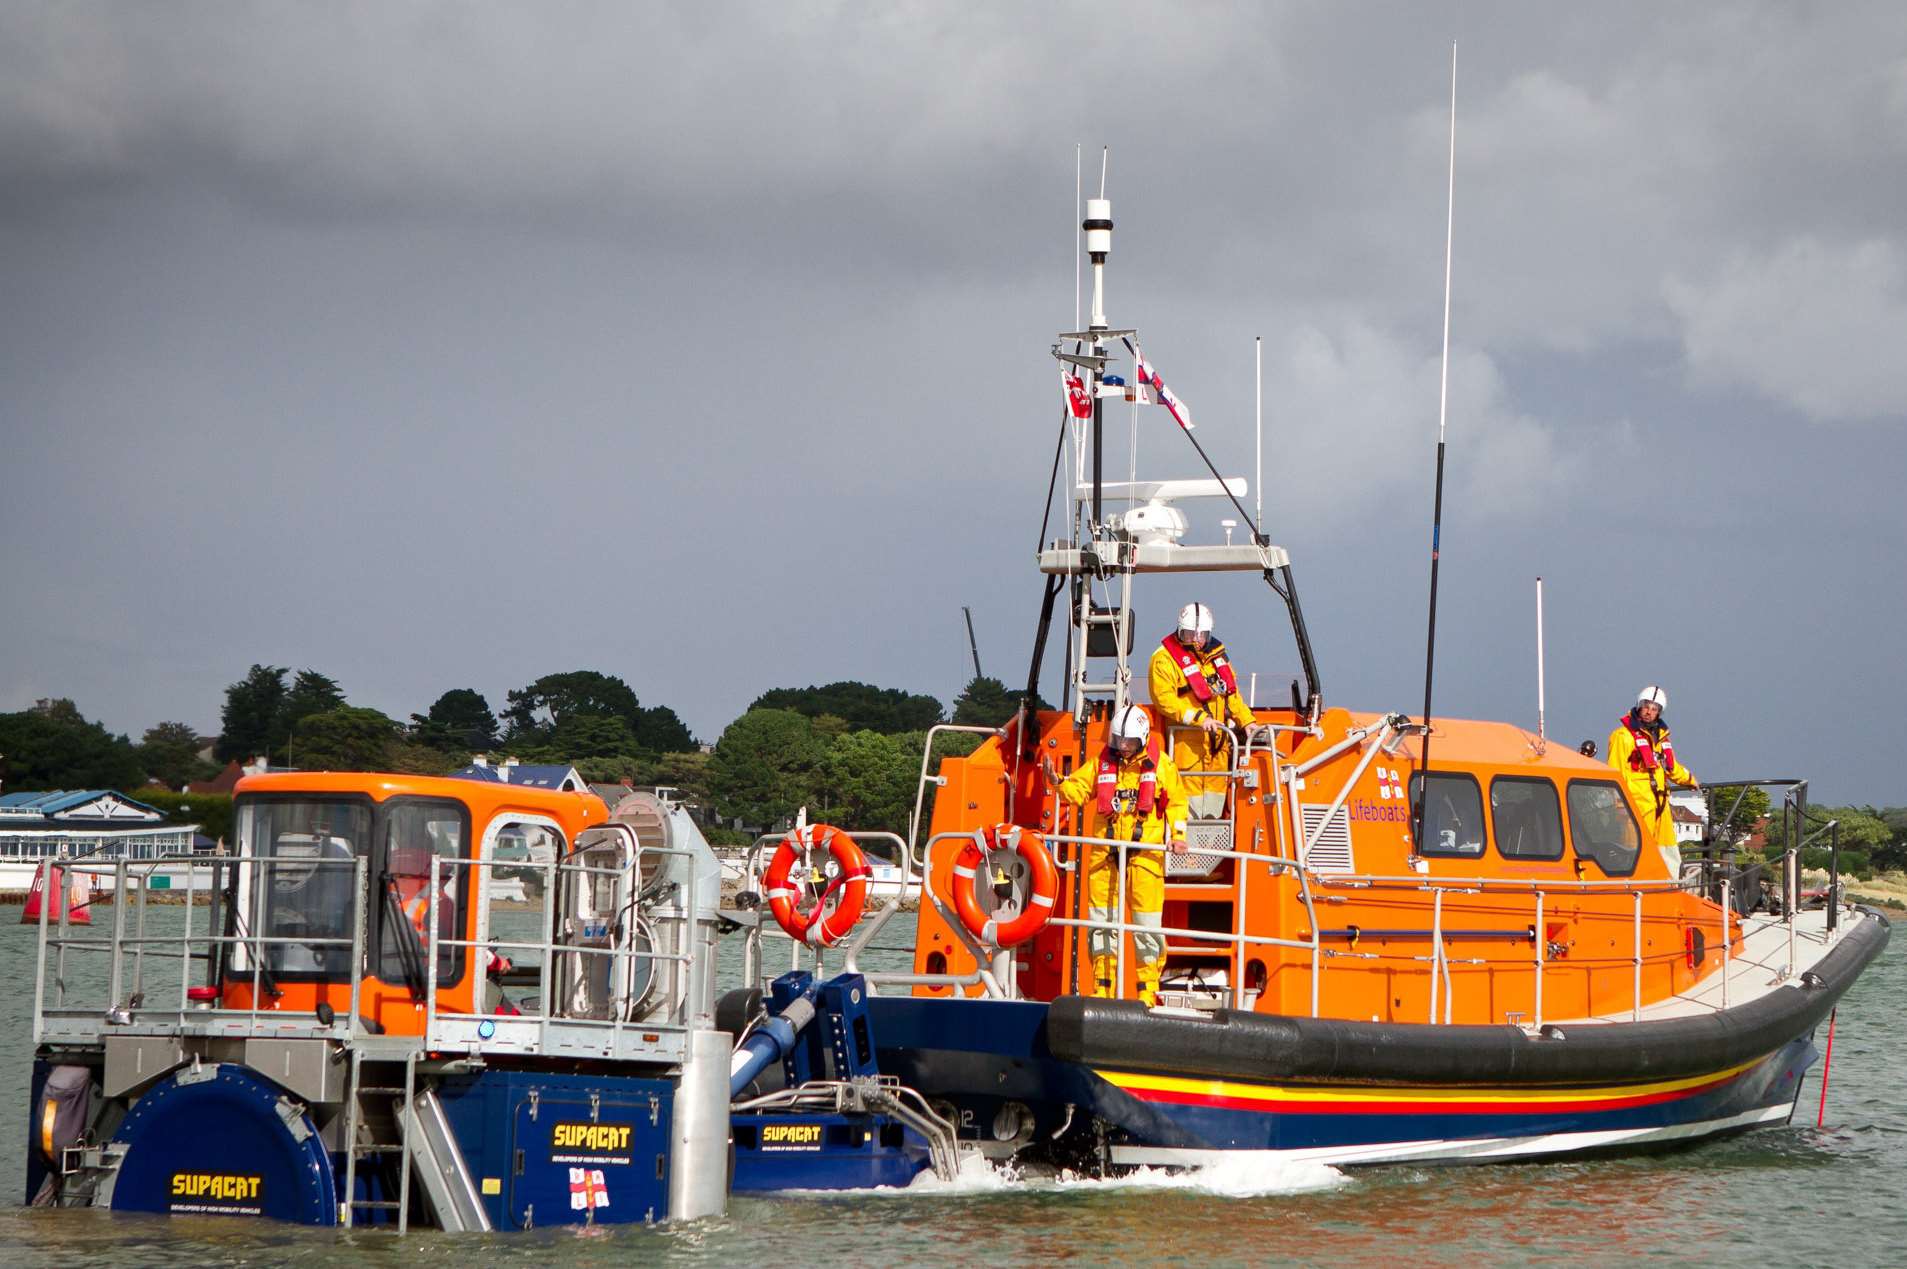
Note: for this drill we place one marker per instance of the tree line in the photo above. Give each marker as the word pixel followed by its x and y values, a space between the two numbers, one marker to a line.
pixel 848 751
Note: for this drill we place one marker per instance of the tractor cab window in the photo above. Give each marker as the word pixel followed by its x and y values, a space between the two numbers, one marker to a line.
pixel 1602 826
pixel 1453 813
pixel 411 833
pixel 299 883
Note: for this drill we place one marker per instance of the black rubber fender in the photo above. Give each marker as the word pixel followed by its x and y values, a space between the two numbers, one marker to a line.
pixel 1125 1035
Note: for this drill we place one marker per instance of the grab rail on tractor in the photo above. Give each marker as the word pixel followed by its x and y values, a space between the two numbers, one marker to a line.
pixel 553 1027
pixel 75 1016
pixel 87 986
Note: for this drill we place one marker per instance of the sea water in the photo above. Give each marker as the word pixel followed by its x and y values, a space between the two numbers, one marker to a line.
pixel 1792 1195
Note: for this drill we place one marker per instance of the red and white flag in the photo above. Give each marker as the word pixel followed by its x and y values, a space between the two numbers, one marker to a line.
pixel 586 1189
pixel 1078 400
pixel 1149 376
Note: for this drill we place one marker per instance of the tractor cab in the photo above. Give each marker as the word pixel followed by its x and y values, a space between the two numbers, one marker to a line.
pixel 396 876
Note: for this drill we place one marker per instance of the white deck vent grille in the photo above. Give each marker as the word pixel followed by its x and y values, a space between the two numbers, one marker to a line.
pixel 1332 851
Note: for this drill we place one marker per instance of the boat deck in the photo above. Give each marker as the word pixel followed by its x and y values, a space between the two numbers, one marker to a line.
pixel 1771 954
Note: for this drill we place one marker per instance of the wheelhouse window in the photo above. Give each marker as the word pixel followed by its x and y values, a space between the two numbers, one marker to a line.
pixel 411 833
pixel 1602 827
pixel 301 856
pixel 1452 811
pixel 1526 818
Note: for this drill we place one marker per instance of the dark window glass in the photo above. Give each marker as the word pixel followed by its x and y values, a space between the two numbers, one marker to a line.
pixel 1602 827
pixel 412 832
pixel 302 882
pixel 1453 814
pixel 1526 818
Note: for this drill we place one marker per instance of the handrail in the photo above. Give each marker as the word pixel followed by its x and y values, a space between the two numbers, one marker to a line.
pixel 127 1006
pixel 1120 926
pixel 683 993
pixel 752 867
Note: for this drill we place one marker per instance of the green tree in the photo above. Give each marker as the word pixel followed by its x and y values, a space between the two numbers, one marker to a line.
pixel 987 702
pixel 537 710
pixel 870 780
pixel 589 736
pixel 767 763
pixel 170 752
pixel 1752 808
pixel 459 721
pixel 864 706
pixel 1863 835
pixel 248 725
pixel 660 731
pixel 1893 856
pixel 310 694
pixel 348 738
pixel 687 773
pixel 52 746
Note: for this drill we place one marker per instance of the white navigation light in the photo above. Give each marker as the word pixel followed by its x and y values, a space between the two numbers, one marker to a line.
pixel 1098 229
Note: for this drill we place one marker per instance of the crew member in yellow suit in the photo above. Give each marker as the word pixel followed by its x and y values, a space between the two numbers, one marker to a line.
pixel 1641 750
pixel 1133 794
pixel 1193 685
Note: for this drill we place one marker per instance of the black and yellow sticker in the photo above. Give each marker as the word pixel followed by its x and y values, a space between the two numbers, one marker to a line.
pixel 791 1136
pixel 584 1142
pixel 217 1192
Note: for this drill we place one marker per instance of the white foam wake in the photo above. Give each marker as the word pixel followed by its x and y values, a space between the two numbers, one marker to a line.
pixel 1240 1174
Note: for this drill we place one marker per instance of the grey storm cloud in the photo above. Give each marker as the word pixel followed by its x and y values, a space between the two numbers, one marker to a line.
pixel 440 345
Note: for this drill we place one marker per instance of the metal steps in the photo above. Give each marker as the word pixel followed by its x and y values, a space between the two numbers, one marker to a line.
pixel 426 1145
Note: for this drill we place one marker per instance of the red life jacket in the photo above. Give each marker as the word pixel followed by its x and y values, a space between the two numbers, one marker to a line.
pixel 1645 757
pixel 1106 783
pixel 1194 677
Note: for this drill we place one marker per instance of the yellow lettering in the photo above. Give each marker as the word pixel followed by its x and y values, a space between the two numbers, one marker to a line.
pixel 792 1134
pixel 593 1137
pixel 224 1186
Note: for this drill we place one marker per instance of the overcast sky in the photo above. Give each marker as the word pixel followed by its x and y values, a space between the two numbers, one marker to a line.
pixel 446 345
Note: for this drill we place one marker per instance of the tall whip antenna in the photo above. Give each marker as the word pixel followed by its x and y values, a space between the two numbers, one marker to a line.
pixel 1072 221
pixel 1542 740
pixel 1443 414
pixel 1258 477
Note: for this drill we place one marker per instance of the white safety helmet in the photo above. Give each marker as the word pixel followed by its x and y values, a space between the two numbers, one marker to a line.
pixel 1653 695
pixel 1131 724
pixel 1195 619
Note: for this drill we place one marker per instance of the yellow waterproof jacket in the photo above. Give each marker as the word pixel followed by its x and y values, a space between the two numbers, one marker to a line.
pixel 1175 700
pixel 1168 803
pixel 1649 790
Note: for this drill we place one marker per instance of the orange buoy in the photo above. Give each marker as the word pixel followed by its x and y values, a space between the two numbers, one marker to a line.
pixel 1042 885
pixel 818 924
pixel 77 902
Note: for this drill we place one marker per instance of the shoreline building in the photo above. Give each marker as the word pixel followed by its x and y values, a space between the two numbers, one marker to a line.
pixel 99 824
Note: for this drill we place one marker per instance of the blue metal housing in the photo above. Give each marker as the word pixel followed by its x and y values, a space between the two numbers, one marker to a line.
pixel 224 1141
pixel 547 1149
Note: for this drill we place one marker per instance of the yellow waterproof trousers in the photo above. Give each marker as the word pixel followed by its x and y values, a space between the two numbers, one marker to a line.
pixel 1145 898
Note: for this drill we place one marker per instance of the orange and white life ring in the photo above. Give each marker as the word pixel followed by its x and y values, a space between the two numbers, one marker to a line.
pixel 1042 885
pixel 818 924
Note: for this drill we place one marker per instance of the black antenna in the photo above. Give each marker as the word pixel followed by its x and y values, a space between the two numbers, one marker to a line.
pixel 1443 414
pixel 972 643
